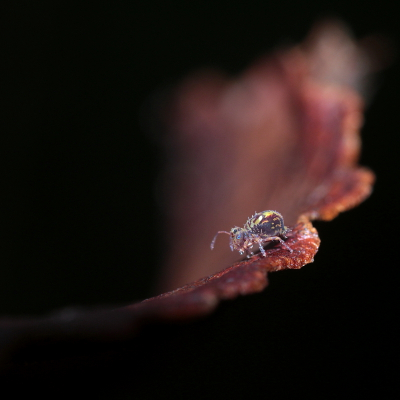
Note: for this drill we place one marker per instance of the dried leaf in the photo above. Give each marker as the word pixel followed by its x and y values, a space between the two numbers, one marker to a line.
pixel 284 136
pixel 244 277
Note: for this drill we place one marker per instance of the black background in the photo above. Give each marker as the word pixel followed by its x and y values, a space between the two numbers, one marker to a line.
pixel 78 212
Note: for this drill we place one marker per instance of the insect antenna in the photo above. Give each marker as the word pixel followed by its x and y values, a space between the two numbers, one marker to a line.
pixel 215 237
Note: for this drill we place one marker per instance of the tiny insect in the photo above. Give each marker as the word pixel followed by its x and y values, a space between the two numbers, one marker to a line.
pixel 262 227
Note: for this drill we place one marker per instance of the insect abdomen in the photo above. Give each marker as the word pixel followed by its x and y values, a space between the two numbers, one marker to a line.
pixel 268 223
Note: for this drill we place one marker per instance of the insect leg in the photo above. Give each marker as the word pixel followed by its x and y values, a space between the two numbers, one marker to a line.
pixel 249 253
pixel 260 243
pixel 280 240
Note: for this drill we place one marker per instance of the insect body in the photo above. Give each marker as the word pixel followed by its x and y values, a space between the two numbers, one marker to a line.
pixel 259 229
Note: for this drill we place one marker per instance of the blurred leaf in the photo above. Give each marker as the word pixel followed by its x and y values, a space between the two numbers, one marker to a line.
pixel 284 136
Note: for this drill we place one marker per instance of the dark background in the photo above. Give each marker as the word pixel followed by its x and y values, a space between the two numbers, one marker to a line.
pixel 78 213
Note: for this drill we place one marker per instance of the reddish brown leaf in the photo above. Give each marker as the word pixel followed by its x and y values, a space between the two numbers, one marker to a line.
pixel 284 136
pixel 244 277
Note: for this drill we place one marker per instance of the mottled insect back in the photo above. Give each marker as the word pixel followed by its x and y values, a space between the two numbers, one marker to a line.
pixel 259 229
